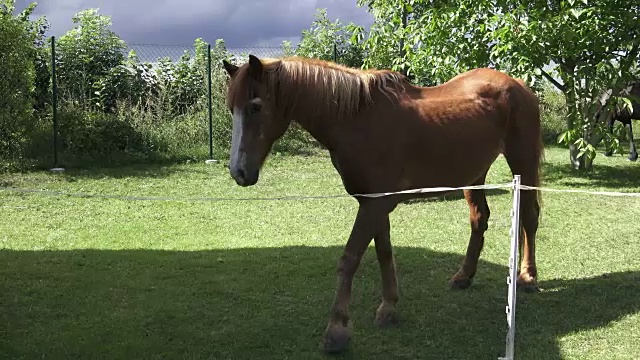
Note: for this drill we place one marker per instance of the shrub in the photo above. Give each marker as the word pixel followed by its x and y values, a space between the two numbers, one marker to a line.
pixel 553 111
pixel 16 82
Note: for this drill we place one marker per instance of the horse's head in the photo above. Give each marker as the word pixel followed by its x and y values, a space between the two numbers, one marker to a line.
pixel 256 123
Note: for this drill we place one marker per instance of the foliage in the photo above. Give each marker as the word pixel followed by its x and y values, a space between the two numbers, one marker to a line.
pixel 85 54
pixel 431 41
pixel 17 81
pixel 130 82
pixel 287 48
pixel 569 35
pixel 332 41
pixel 442 39
pixel 168 98
pixel 40 55
pixel 553 110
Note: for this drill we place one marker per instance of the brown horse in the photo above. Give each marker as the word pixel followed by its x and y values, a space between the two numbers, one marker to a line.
pixel 386 135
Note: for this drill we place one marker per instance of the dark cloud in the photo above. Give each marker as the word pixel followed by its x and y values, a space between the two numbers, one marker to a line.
pixel 241 23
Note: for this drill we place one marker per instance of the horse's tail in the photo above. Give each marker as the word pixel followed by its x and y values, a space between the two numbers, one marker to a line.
pixel 526 120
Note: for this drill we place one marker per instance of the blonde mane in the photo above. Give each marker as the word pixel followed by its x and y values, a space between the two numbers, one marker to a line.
pixel 321 87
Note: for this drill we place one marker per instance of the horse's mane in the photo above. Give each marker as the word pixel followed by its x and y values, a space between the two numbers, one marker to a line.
pixel 323 87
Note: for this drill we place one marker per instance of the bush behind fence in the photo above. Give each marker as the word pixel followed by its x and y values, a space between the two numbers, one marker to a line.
pixel 153 104
pixel 142 102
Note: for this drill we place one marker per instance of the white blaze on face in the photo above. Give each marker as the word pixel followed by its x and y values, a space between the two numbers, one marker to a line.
pixel 238 161
pixel 236 138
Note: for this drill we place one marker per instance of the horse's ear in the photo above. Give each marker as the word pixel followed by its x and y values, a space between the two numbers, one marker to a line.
pixel 255 67
pixel 231 69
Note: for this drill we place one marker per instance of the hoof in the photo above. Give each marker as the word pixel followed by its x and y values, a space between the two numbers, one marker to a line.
pixel 336 339
pixel 386 315
pixel 460 280
pixel 608 153
pixel 528 283
pixel 459 283
pixel 633 157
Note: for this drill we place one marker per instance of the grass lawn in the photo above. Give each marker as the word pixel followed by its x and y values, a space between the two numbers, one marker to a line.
pixel 95 278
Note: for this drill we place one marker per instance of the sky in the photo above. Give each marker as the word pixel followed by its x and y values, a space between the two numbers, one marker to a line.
pixel 241 23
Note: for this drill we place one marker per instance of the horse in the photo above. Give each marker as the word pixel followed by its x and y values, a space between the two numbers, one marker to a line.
pixel 384 134
pixel 623 115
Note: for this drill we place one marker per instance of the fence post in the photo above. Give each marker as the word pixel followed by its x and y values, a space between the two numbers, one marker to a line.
pixel 403 53
pixel 335 52
pixel 513 271
pixel 210 106
pixel 54 104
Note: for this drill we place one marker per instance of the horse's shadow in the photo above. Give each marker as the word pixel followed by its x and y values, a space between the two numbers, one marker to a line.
pixel 602 174
pixel 453 196
pixel 272 303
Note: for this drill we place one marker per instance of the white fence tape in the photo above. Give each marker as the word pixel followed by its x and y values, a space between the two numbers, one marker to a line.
pixel 312 197
pixel 290 197
pixel 605 193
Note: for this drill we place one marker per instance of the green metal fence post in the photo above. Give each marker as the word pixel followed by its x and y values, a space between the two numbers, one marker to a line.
pixel 54 103
pixel 335 52
pixel 210 110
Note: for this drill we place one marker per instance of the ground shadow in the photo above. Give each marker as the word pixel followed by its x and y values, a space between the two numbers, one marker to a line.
pixel 601 175
pixel 96 171
pixel 454 196
pixel 272 304
pixel 147 171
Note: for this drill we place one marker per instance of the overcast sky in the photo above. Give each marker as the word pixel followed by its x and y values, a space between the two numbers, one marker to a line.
pixel 241 23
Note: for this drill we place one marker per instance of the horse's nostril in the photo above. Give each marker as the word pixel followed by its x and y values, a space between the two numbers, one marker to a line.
pixel 241 174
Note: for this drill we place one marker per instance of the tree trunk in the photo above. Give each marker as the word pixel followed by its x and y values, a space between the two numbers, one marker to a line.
pixel 583 163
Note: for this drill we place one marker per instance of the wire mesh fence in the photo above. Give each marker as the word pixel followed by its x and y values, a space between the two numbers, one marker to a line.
pixel 153 52
pixel 147 98
pixel 112 102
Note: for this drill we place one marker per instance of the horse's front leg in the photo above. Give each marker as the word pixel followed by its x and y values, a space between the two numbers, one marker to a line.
pixel 633 153
pixel 371 216
pixel 386 313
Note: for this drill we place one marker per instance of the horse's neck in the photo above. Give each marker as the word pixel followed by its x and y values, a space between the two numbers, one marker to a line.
pixel 319 126
pixel 318 121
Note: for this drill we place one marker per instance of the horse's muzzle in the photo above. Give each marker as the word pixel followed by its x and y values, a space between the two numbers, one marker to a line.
pixel 243 177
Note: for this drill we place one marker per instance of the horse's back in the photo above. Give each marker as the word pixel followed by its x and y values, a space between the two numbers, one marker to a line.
pixel 486 81
pixel 479 95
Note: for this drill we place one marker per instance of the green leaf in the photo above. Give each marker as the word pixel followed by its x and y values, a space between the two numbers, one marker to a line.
pixel 576 13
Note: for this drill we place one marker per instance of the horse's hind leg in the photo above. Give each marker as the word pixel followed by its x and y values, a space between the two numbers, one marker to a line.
pixel 526 167
pixel 479 217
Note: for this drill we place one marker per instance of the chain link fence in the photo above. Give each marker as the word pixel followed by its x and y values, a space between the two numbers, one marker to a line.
pixel 117 103
pixel 147 100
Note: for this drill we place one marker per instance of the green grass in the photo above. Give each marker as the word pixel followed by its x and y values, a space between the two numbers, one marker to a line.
pixel 97 278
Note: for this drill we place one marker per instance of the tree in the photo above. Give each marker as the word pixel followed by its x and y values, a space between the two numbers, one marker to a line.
pixel 16 83
pixel 40 54
pixel 592 46
pixel 87 53
pixel 430 41
pixel 324 36
pixel 589 46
